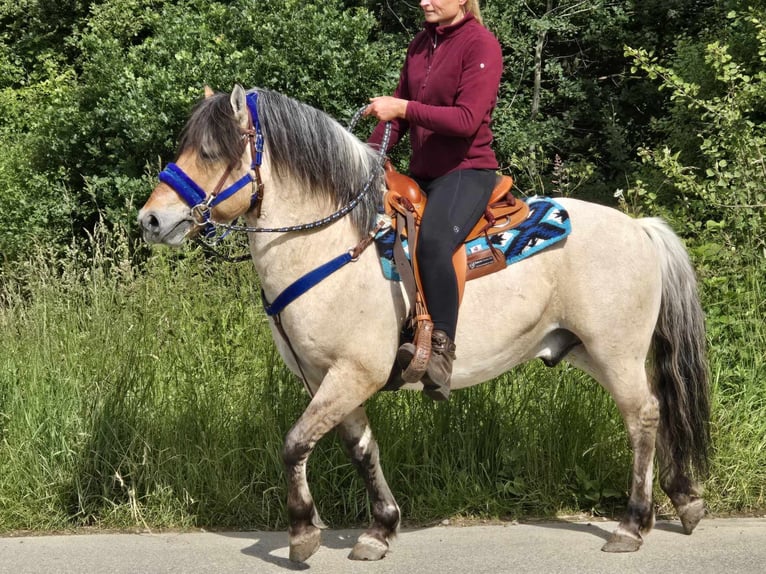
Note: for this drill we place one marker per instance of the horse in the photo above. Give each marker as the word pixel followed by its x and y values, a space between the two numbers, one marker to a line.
pixel 617 298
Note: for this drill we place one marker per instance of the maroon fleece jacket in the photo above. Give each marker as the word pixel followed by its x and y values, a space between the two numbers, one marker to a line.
pixel 451 77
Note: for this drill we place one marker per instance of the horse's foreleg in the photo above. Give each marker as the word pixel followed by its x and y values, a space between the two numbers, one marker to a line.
pixel 305 523
pixel 362 448
pixel 642 419
pixel 684 493
pixel 339 394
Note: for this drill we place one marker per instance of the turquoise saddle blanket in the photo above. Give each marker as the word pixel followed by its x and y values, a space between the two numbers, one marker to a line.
pixel 547 224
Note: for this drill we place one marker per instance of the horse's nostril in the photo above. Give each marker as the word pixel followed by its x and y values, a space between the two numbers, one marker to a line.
pixel 150 222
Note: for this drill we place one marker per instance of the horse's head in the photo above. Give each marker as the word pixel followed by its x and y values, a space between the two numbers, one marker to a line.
pixel 216 176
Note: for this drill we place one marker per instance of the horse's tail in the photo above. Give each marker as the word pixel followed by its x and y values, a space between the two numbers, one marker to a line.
pixel 681 379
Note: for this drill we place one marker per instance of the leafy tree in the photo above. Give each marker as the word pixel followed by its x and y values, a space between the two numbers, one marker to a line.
pixel 94 94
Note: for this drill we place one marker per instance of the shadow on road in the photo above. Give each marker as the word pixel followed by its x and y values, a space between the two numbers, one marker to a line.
pixel 272 547
pixel 670 526
pixel 604 530
pixel 585 527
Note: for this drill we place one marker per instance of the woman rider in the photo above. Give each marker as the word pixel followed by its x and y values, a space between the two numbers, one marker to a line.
pixel 446 94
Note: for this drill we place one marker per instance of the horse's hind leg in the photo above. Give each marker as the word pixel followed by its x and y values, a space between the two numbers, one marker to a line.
pixel 362 448
pixel 640 411
pixel 625 379
pixel 684 493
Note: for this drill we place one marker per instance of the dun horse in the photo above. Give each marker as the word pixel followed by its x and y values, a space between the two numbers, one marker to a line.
pixel 616 293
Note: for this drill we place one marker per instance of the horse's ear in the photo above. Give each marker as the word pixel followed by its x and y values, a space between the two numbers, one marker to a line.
pixel 209 93
pixel 239 104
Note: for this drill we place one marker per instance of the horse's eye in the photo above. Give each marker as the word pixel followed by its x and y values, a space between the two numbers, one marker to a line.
pixel 206 155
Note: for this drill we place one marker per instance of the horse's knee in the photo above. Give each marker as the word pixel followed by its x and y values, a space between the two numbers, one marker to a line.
pixel 294 451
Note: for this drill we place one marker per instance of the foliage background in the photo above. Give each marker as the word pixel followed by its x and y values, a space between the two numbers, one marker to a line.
pixel 112 409
pixel 94 94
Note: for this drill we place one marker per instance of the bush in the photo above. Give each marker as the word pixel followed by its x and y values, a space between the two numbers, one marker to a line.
pixel 721 190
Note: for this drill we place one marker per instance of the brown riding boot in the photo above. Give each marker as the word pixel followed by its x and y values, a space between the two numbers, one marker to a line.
pixel 436 381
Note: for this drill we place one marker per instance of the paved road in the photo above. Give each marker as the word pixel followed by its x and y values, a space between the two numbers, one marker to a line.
pixel 728 546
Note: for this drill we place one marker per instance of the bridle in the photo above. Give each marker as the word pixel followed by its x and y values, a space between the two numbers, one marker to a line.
pixel 201 204
pixel 198 200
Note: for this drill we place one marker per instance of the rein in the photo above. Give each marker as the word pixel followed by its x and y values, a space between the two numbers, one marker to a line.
pixel 201 204
pixel 345 210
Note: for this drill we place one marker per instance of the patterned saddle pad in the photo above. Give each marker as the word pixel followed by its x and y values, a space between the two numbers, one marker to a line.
pixel 547 224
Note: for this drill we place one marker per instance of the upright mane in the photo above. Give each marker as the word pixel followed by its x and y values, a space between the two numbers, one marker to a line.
pixel 302 144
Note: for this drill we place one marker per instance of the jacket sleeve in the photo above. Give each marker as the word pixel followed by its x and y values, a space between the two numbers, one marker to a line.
pixel 482 69
pixel 399 126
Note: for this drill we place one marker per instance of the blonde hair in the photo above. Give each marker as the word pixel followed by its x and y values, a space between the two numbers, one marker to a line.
pixel 472 6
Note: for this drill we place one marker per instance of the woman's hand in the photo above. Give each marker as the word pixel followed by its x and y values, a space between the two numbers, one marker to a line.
pixel 387 108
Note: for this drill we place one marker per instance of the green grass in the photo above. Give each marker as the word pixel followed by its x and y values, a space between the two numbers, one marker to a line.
pixel 153 396
pixel 738 369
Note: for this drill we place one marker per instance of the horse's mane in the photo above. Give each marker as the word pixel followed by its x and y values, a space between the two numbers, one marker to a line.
pixel 302 144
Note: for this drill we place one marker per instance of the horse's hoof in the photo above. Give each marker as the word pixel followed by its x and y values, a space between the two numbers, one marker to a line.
pixel 619 542
pixel 303 546
pixel 368 548
pixel 690 514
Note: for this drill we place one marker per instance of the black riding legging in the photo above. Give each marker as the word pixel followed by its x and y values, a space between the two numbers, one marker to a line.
pixel 455 203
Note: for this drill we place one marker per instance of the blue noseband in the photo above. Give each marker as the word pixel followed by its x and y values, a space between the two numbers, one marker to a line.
pixel 183 185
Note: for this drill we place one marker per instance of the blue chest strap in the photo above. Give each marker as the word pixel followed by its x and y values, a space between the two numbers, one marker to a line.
pixel 303 284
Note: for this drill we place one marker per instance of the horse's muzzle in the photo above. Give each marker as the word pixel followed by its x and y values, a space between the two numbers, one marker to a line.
pixel 170 229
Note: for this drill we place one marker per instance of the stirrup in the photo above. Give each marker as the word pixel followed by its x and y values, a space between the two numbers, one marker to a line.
pixel 417 366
